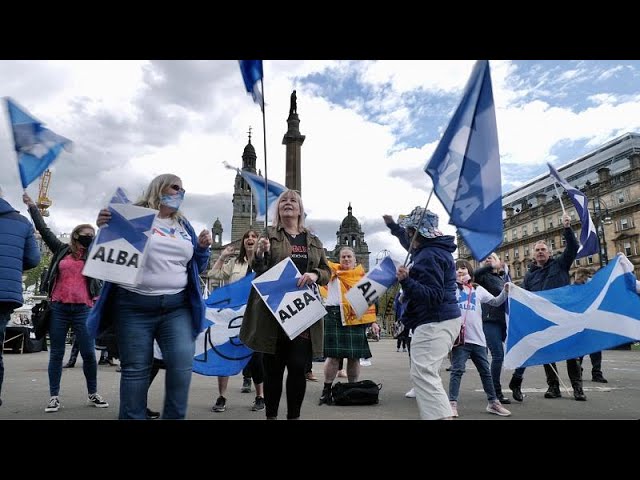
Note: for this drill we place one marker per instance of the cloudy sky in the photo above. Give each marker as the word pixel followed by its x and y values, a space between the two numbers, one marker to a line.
pixel 370 128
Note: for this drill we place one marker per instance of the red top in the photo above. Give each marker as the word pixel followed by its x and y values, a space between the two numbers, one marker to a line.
pixel 71 285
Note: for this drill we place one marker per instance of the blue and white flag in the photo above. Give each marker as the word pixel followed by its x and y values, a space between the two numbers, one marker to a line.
pixel 372 286
pixel 295 308
pixel 117 254
pixel 465 167
pixel 588 236
pixel 252 74
pixel 37 147
pixel 568 322
pixel 256 183
pixel 219 351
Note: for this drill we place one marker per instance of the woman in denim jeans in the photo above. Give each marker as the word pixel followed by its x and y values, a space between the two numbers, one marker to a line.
pixel 71 295
pixel 166 305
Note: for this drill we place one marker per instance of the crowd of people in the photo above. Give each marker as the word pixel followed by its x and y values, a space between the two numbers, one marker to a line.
pixel 444 309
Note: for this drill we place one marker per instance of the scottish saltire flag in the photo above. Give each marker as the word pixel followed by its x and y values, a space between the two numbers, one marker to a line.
pixel 588 236
pixel 295 309
pixel 568 322
pixel 465 167
pixel 256 183
pixel 219 351
pixel 372 286
pixel 117 254
pixel 252 74
pixel 37 147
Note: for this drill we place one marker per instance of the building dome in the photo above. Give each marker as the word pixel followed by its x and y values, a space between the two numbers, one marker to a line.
pixel 249 150
pixel 217 223
pixel 350 223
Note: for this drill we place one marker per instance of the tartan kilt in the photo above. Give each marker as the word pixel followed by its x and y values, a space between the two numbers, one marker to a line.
pixel 344 342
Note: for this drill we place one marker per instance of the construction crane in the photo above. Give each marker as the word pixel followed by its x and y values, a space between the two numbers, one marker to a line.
pixel 43 201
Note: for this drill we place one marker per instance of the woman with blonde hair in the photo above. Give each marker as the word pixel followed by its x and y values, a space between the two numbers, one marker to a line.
pixel 166 305
pixel 260 331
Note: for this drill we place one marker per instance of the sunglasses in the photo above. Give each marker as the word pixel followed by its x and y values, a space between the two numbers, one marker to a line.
pixel 178 188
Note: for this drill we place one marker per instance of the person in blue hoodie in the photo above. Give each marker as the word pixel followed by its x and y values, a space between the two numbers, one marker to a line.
pixel 431 309
pixel 166 305
pixel 19 253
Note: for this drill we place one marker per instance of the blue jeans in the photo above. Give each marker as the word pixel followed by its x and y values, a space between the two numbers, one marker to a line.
pixel 4 319
pixel 63 316
pixel 495 334
pixel 139 320
pixel 459 357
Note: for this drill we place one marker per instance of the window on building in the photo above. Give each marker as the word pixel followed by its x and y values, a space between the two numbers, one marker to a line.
pixel 526 250
pixel 505 238
pixel 524 231
pixel 506 256
pixel 518 270
pixel 514 234
pixel 516 252
pixel 621 197
pixel 550 223
pixel 535 226
pixel 590 260
pixel 625 224
pixel 553 244
pixel 577 262
pixel 563 242
pixel 627 249
pixel 572 215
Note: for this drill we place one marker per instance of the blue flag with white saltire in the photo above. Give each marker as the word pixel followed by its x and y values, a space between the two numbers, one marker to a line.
pixel 465 167
pixel 37 147
pixel 372 286
pixel 252 74
pixel 568 322
pixel 256 183
pixel 588 236
pixel 219 351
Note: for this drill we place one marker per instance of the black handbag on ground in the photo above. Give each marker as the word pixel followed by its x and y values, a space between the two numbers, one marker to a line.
pixel 364 392
pixel 41 318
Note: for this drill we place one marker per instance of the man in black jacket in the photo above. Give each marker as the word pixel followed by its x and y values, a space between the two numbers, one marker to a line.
pixel 547 273
pixel 494 325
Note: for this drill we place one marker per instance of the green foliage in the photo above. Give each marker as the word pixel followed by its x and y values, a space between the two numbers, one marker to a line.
pixel 32 277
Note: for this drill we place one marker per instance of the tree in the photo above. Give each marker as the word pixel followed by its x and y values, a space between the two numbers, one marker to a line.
pixel 32 277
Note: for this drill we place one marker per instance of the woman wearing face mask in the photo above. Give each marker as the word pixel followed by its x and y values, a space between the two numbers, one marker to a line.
pixel 166 305
pixel 71 295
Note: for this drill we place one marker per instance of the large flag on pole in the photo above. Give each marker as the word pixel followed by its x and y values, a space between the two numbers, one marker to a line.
pixel 568 322
pixel 37 147
pixel 465 167
pixel 256 183
pixel 252 74
pixel 588 237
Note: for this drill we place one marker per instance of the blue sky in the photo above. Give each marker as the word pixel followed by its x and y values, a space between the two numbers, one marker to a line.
pixel 370 127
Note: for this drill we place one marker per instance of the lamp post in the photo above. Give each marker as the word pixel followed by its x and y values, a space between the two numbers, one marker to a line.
pixel 602 218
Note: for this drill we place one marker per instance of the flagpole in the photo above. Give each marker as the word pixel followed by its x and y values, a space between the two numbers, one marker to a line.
pixel 555 185
pixel 419 223
pixel 264 139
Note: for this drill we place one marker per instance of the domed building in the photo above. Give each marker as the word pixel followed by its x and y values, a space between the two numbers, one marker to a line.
pixel 351 235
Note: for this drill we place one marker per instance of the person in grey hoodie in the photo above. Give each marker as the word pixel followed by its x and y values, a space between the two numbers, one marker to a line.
pixel 431 310
pixel 18 252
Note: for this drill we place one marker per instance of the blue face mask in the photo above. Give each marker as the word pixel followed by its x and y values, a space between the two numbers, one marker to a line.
pixel 172 201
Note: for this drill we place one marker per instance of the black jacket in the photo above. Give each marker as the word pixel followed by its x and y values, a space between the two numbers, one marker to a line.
pixel 494 283
pixel 59 250
pixel 554 273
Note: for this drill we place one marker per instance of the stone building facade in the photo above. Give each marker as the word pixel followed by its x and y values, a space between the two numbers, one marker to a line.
pixel 610 178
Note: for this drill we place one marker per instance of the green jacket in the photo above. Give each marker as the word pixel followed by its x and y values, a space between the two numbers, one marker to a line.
pixel 260 329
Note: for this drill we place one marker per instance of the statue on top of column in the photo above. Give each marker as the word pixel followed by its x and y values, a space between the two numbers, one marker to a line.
pixel 294 104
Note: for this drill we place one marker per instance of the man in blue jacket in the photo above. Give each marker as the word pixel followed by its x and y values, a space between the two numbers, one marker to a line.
pixel 18 252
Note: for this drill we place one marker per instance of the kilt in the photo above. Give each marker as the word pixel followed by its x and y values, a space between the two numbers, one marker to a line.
pixel 344 342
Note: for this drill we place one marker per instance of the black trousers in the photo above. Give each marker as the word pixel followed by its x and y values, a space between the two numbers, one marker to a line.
pixel 596 363
pixel 573 368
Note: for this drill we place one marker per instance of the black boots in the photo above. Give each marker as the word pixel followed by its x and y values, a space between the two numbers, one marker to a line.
pixel 514 386
pixel 326 395
pixel 597 377
pixel 553 391
pixel 71 363
pixel 578 394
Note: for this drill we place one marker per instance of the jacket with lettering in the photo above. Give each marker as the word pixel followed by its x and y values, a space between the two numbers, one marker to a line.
pixel 260 329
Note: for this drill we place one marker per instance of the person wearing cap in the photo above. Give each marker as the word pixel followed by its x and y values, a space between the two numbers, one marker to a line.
pixel 431 308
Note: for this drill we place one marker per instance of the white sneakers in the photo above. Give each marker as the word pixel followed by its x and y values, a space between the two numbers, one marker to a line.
pixel 496 408
pixel 410 394
pixel 454 409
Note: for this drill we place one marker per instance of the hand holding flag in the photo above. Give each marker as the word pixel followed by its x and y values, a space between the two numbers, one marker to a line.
pixel 588 236
pixel 36 146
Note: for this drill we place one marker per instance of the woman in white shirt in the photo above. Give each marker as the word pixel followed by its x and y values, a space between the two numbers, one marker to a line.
pixel 474 344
